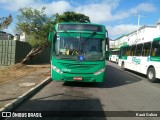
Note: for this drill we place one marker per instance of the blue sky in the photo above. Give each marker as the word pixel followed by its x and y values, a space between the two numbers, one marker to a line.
pixel 119 16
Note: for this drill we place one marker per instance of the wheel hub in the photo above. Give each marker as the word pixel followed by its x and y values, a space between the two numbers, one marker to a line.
pixel 150 75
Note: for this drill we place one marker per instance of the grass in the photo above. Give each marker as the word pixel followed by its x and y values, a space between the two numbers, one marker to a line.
pixel 18 70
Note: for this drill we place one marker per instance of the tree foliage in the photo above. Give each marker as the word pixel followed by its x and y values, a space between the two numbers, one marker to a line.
pixel 71 16
pixel 37 24
pixel 5 22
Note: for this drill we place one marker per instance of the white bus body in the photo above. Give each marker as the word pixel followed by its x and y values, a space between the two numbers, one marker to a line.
pixel 147 62
pixel 114 55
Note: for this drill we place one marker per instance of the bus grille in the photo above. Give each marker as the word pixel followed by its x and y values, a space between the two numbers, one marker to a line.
pixel 78 66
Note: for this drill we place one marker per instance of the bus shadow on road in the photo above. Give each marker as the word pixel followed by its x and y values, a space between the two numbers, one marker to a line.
pixel 141 75
pixel 113 78
pixel 80 84
pixel 116 77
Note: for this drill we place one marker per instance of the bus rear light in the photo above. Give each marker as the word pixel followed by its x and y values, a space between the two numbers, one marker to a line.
pixel 99 71
pixel 56 69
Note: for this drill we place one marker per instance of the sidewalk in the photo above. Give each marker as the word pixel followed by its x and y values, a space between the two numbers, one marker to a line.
pixel 14 92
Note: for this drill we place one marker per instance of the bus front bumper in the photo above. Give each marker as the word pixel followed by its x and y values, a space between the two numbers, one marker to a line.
pixel 77 77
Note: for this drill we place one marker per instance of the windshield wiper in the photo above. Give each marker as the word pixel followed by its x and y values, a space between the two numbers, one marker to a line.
pixel 91 36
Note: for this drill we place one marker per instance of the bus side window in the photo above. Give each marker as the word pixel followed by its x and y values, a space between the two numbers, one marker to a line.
pixel 129 50
pixel 139 50
pixel 133 50
pixel 155 48
pixel 153 52
pixel 125 51
pixel 144 52
pixel 146 49
pixel 158 52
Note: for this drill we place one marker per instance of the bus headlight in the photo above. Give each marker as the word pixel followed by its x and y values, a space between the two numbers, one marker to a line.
pixel 99 71
pixel 56 69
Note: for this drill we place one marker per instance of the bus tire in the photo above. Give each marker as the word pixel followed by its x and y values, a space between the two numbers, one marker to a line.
pixel 116 61
pixel 151 75
pixel 122 66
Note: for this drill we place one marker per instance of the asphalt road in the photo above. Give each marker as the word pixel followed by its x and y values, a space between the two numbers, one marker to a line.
pixel 121 91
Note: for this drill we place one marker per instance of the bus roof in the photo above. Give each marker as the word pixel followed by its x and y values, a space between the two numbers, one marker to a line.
pixel 80 23
pixel 124 46
pixel 156 39
pixel 75 26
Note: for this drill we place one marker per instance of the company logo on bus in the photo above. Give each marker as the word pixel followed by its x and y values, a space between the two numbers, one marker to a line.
pixel 136 61
pixel 66 70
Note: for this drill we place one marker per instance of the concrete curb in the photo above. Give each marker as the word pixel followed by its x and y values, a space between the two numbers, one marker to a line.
pixel 18 100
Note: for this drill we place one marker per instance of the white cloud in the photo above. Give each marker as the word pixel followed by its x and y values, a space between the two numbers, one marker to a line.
pixel 99 12
pixel 51 8
pixel 14 5
pixel 104 11
pixel 145 7
pixel 121 29
pixel 4 1
pixel 57 7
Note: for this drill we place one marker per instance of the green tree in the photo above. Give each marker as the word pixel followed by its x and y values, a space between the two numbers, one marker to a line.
pixel 36 25
pixel 5 22
pixel 71 16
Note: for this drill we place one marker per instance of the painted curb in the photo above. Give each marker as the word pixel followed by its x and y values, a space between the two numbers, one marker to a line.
pixel 18 100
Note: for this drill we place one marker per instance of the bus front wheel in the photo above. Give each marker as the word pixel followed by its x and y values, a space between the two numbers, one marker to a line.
pixel 116 61
pixel 151 75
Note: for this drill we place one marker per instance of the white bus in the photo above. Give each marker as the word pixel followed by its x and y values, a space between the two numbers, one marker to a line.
pixel 143 58
pixel 114 55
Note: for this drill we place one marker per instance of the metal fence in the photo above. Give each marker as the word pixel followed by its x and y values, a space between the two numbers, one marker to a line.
pixel 12 52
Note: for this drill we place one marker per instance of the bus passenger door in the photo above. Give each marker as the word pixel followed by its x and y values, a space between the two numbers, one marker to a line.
pixel 138 58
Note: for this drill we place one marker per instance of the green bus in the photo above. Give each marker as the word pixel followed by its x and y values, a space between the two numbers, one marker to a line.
pixel 78 52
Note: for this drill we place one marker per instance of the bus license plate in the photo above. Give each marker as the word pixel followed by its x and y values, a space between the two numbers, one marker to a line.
pixel 77 78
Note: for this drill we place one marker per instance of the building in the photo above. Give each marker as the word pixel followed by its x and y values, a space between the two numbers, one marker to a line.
pixel 120 41
pixel 17 37
pixel 5 36
pixel 112 43
pixel 21 37
pixel 24 37
pixel 143 34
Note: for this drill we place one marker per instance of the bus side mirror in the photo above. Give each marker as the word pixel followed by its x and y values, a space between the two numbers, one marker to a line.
pixel 50 37
pixel 52 33
pixel 107 43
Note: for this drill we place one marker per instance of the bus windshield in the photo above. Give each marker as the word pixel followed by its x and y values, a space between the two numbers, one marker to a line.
pixel 79 48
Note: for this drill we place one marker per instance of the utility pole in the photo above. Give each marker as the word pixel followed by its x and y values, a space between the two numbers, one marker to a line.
pixel 138 24
pixel 139 16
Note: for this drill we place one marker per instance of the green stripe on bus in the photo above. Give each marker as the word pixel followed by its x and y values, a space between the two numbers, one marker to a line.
pixel 156 39
pixel 124 57
pixel 155 59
